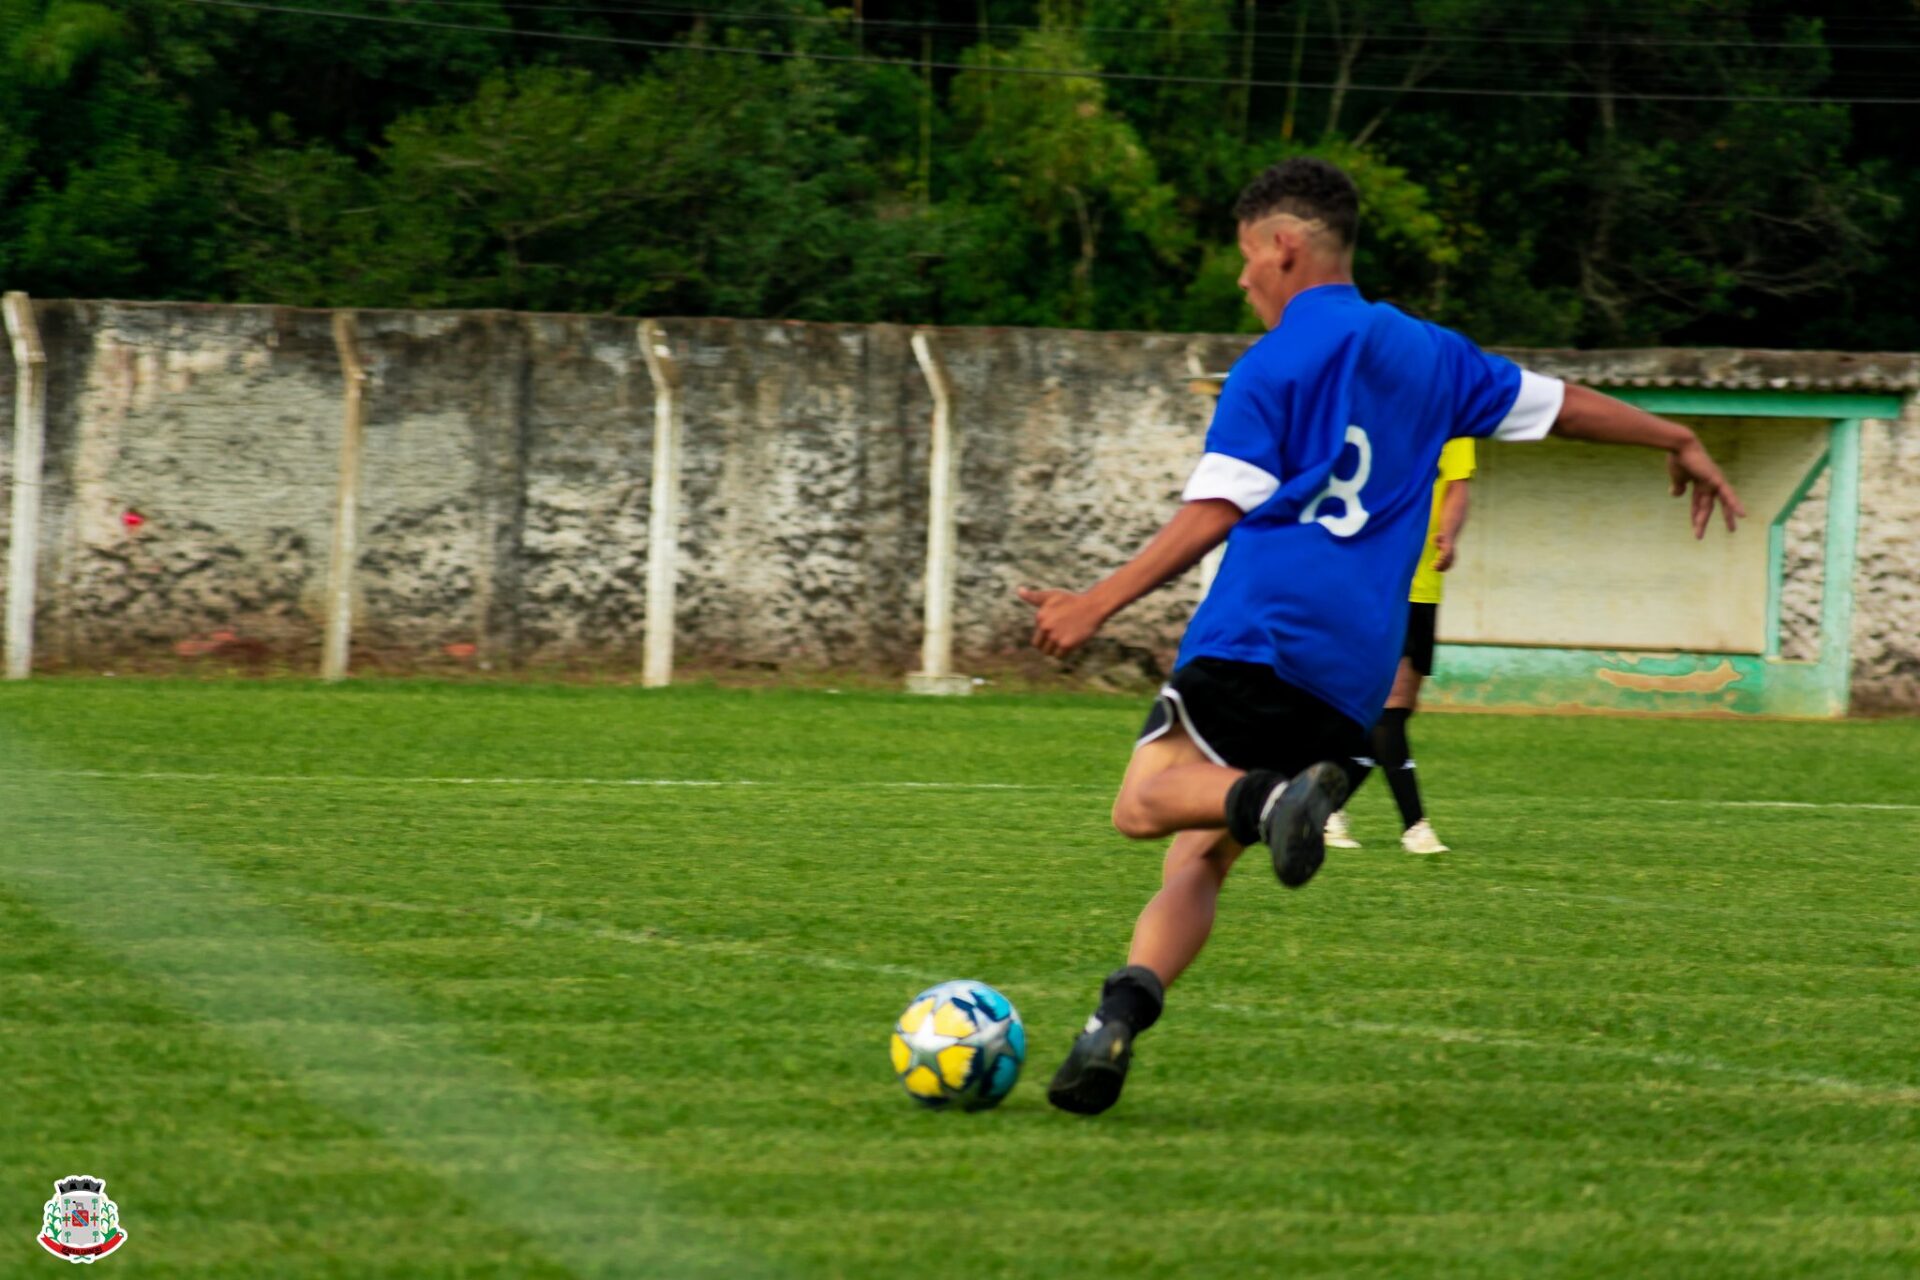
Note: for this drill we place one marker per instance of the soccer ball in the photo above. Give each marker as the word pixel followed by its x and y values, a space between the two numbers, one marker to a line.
pixel 959 1044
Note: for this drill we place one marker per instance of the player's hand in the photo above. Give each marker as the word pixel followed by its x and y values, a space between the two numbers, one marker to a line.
pixel 1062 620
pixel 1691 464
pixel 1443 553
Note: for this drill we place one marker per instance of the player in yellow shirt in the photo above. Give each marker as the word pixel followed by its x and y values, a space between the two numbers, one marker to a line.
pixel 1391 751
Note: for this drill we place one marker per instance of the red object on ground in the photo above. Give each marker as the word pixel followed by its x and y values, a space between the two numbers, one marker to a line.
pixel 132 519
pixel 223 644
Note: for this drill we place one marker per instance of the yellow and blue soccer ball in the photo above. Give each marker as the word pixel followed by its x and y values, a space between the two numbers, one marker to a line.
pixel 959 1044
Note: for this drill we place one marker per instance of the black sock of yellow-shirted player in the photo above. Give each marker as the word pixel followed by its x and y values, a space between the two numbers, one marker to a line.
pixel 1394 754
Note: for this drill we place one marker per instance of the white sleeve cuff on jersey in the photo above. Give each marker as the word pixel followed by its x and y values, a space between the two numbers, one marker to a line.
pixel 1534 409
pixel 1221 475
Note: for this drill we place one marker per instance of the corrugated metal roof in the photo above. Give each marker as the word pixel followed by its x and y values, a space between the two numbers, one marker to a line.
pixel 1712 368
pixel 1729 368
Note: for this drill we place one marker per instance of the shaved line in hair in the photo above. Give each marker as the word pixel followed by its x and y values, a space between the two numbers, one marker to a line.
pixel 1315 230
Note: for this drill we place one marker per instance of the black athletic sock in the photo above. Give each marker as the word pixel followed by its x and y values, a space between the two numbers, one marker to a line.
pixel 1132 995
pixel 1357 773
pixel 1394 755
pixel 1245 801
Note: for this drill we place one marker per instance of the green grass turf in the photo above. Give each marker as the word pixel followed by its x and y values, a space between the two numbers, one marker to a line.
pixel 312 1008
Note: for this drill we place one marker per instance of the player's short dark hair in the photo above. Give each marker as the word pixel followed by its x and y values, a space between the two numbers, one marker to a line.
pixel 1305 187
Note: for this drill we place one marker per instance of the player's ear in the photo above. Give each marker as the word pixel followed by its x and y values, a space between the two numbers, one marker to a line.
pixel 1286 244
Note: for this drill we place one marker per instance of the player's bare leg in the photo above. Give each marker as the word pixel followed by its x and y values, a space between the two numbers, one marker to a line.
pixel 1406 687
pixel 1167 778
pixel 1170 786
pixel 1175 924
pixel 1169 934
pixel 1170 781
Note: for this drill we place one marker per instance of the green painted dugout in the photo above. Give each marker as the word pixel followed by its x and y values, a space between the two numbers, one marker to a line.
pixel 1578 590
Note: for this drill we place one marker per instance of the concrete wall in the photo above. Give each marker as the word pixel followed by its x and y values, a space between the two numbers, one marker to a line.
pixel 1886 579
pixel 505 498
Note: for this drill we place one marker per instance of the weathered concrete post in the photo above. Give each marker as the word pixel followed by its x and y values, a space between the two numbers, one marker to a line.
pixel 29 449
pixel 663 522
pixel 943 495
pixel 346 503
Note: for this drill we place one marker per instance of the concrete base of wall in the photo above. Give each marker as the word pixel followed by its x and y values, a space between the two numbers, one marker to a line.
pixel 940 686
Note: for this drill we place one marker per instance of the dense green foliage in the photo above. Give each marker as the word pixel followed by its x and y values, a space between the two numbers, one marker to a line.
pixel 315 1007
pixel 1658 182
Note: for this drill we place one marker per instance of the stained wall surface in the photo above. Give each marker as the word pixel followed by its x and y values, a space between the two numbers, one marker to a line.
pixel 193 452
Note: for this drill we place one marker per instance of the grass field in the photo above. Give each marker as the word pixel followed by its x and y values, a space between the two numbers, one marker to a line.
pixel 430 980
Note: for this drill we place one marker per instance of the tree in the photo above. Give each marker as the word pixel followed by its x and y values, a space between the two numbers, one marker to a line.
pixel 1523 177
pixel 709 185
pixel 1612 215
pixel 1061 215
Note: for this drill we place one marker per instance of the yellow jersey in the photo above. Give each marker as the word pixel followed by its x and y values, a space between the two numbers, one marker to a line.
pixel 1456 463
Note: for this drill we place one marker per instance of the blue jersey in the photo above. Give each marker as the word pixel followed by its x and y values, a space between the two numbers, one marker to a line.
pixel 1327 436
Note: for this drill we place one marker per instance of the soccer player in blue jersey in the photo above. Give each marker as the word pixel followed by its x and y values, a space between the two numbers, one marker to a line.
pixel 1318 475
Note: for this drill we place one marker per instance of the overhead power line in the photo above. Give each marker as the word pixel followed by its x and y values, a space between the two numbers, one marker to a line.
pixel 1468 61
pixel 1414 54
pixel 1068 73
pixel 1435 33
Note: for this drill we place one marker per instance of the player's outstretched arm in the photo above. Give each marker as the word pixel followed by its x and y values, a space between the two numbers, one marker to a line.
pixel 1453 518
pixel 1065 620
pixel 1588 415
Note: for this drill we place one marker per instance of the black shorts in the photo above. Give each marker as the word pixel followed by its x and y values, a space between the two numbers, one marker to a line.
pixel 1421 619
pixel 1243 715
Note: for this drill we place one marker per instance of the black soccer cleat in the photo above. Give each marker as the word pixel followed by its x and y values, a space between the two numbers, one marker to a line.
pixel 1089 1081
pixel 1294 826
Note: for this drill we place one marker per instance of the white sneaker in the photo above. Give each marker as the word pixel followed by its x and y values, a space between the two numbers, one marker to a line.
pixel 1337 835
pixel 1419 838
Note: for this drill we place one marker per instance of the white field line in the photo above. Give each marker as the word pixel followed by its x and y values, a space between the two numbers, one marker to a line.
pixel 537 921
pixel 1481 1036
pixel 1654 1057
pixel 342 779
pixel 1792 804
pixel 347 779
